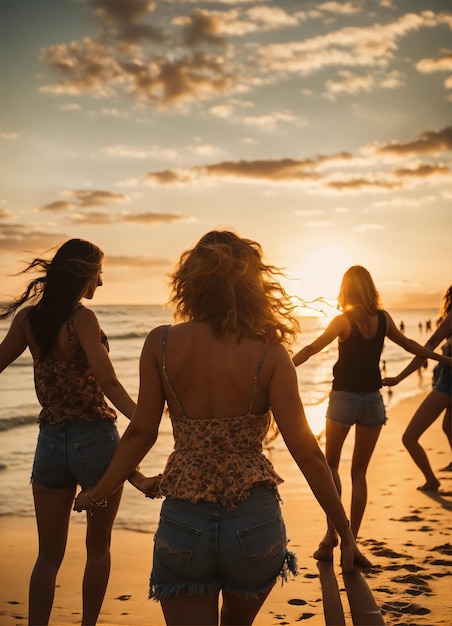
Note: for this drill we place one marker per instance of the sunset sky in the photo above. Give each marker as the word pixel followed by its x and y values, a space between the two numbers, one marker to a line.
pixel 321 129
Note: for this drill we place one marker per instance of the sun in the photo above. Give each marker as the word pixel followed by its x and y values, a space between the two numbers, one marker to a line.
pixel 318 276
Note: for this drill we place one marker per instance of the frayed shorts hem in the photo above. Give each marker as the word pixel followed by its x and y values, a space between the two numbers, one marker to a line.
pixel 160 592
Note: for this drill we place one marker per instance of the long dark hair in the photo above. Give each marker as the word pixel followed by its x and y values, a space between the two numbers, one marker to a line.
pixel 446 305
pixel 63 281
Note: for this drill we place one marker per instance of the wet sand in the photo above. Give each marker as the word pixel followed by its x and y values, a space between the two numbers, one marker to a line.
pixel 406 533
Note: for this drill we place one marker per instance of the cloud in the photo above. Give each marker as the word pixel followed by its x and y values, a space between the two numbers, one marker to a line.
pixel 354 83
pixel 441 64
pixel 27 240
pixel 201 27
pixel 9 136
pixel 91 67
pixel 152 218
pixel 212 27
pixel 429 143
pixel 372 46
pixel 57 206
pixel 5 215
pixel 341 8
pixel 137 261
pixel 97 218
pixel 324 171
pixel 271 170
pixel 423 171
pixel 125 22
pixel 174 75
pixel 88 197
pixel 82 198
pixel 270 121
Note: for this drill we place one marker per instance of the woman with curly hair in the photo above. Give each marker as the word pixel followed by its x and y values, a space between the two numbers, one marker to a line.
pixel 438 400
pixel 77 430
pixel 221 370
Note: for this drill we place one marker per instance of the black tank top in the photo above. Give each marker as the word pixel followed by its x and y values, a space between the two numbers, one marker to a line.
pixel 358 366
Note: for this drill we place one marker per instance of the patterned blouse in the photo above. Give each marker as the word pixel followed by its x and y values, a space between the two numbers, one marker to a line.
pixel 217 460
pixel 68 390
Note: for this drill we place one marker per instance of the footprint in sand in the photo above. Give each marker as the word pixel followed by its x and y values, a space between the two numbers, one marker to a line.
pixel 297 602
pixel 123 597
pixel 445 549
pixel 405 608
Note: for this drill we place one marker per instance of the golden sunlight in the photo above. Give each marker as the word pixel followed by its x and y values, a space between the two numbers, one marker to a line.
pixel 316 279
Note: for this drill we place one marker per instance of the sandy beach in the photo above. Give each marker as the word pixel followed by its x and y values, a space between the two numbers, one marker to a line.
pixel 406 534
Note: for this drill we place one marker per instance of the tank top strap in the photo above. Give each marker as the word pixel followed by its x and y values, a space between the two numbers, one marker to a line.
pixel 71 332
pixel 165 373
pixel 256 378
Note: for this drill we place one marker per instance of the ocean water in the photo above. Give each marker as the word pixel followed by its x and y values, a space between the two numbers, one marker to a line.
pixel 127 327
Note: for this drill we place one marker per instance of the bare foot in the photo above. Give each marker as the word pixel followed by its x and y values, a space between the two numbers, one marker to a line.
pixel 448 468
pixel 429 486
pixel 325 550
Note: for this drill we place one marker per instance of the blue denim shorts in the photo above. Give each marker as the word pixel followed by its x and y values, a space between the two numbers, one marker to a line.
pixel 207 547
pixel 442 380
pixel 71 453
pixel 364 408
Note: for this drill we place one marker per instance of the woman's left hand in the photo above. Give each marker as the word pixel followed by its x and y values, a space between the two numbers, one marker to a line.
pixel 81 502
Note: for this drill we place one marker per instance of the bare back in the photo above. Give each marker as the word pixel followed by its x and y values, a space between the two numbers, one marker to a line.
pixel 214 378
pixel 367 324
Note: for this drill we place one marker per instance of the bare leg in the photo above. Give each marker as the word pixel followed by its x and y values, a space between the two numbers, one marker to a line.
pixel 365 440
pixel 335 437
pixel 428 411
pixel 53 509
pixel 97 570
pixel 240 611
pixel 185 610
pixel 447 429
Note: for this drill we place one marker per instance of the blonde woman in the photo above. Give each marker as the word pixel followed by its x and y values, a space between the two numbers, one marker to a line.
pixel 355 399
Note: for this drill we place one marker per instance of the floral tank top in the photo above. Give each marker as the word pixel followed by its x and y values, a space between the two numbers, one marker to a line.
pixel 68 390
pixel 217 460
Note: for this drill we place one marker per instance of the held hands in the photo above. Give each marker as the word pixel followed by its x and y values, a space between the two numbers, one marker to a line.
pixel 84 501
pixel 150 486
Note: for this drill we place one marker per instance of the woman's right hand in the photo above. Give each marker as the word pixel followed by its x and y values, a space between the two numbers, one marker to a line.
pixel 351 556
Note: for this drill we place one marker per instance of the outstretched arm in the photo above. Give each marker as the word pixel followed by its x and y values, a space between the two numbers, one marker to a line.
pixel 14 342
pixel 288 411
pixel 335 328
pixel 422 352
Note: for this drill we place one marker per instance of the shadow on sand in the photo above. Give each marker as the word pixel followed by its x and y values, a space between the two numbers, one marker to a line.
pixel 364 610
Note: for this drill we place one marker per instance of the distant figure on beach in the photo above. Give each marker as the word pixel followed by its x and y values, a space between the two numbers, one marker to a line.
pixel 223 370
pixel 438 400
pixel 428 325
pixel 77 430
pixel 402 326
pixel 355 398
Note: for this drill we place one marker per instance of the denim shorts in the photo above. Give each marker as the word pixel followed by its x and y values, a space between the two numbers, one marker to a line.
pixel 347 408
pixel 207 547
pixel 443 379
pixel 71 453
